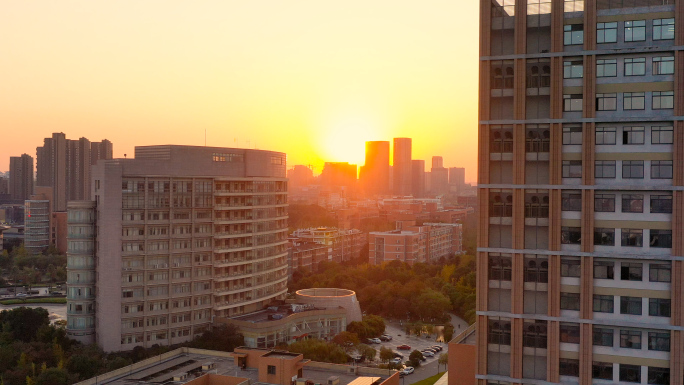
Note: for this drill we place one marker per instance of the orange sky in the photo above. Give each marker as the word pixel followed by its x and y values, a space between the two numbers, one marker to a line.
pixel 312 78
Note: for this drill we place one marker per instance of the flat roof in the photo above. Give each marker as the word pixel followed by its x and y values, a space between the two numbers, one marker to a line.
pixel 281 354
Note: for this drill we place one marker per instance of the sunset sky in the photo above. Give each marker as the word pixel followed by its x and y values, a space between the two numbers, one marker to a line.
pixel 312 78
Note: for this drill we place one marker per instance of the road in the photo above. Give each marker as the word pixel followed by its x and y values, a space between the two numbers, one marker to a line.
pixel 427 368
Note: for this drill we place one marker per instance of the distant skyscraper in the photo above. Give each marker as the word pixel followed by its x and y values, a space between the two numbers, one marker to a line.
pixel 402 168
pixel 375 174
pixel 101 150
pixel 457 178
pixel 299 176
pixel 21 177
pixel 339 174
pixel 418 178
pixel 439 176
pixel 65 166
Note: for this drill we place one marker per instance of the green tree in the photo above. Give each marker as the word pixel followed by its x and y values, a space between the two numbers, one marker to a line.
pixel 443 360
pixel 319 350
pixel 224 338
pixel 386 354
pixel 415 357
pixel 53 376
pixel 24 322
pixel 366 351
pixel 448 332
pixel 346 340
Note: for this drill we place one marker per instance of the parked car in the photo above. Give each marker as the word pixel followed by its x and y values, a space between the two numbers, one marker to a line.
pixel 398 355
pixel 374 340
pixel 408 370
pixel 404 347
pixel 396 361
pixel 22 295
pixel 428 353
pixel 386 336
pixel 439 348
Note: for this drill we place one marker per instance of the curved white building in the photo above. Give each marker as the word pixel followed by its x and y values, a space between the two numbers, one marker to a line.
pixel 331 298
pixel 181 234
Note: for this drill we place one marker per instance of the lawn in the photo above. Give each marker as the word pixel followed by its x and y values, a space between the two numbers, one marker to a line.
pixel 429 380
pixel 32 300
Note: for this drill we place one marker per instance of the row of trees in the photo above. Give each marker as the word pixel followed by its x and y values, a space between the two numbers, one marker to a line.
pixel 19 267
pixel 424 292
pixel 33 352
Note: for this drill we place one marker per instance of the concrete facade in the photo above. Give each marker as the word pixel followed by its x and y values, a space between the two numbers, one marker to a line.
pixel 415 244
pixel 332 298
pixel 21 177
pixel 343 245
pixel 580 173
pixel 402 167
pixel 185 234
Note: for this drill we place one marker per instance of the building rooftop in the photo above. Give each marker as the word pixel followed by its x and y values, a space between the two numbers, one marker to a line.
pixel 171 368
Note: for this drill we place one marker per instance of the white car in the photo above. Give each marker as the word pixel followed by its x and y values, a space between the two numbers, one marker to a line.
pixel 396 361
pixel 408 370
pixel 22 295
pixel 428 353
pixel 375 340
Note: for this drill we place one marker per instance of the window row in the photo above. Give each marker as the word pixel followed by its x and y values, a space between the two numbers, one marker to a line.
pixel 628 237
pixel 630 169
pixel 659 134
pixel 629 203
pixel 660 100
pixel 657 307
pixel 633 31
pixel 626 372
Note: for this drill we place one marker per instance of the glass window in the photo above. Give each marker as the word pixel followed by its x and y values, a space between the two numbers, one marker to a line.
pixel 602 370
pixel 603 303
pixel 604 236
pixel 659 341
pixel 606 32
pixel 630 339
pixel 659 272
pixel 604 203
pixel 574 6
pixel 662 135
pixel 570 267
pixel 605 135
pixel 658 376
pixel 632 203
pixel 568 366
pixel 500 267
pixel 569 332
pixel 633 135
pixel 630 373
pixel 659 307
pixel 660 238
pixel 572 102
pixel 604 169
pixel 572 169
pixel 635 30
pixel 661 169
pixel 663 29
pixel 631 271
pixel 604 269
pixel 606 68
pixel 603 336
pixel 573 69
pixel 606 102
pixel 570 301
pixel 633 101
pixel 573 34
pixel 632 169
pixel 632 237
pixel 571 201
pixel 663 100
pixel 630 305
pixel 571 235
pixel 661 204
pixel 499 332
pixel 572 134
pixel 663 65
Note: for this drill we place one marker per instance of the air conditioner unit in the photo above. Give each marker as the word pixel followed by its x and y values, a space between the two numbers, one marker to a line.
pixel 176 264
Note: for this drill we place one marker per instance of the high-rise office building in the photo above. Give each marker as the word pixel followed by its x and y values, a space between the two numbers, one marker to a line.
pixel 401 166
pixel 439 176
pixel 65 165
pixel 339 174
pixel 375 174
pixel 457 179
pixel 580 274
pixel 21 177
pixel 173 239
pixel 417 178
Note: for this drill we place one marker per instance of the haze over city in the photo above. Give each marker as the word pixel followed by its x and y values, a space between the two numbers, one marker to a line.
pixel 312 79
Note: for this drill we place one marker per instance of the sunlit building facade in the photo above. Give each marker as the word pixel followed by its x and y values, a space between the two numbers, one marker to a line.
pixel 174 238
pixel 581 199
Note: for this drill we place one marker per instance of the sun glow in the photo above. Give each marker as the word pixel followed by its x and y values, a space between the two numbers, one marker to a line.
pixel 344 140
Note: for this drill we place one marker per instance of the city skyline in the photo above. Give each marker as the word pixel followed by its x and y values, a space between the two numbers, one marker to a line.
pixel 371 72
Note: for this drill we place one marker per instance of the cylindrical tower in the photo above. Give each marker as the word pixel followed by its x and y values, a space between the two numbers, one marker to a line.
pixel 81 271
